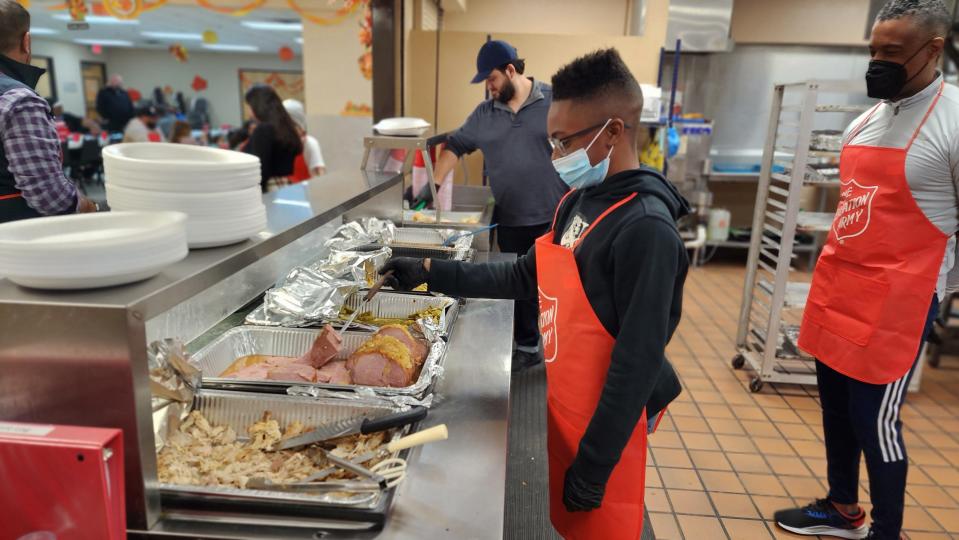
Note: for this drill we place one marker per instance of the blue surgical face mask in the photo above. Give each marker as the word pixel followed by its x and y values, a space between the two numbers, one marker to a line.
pixel 576 170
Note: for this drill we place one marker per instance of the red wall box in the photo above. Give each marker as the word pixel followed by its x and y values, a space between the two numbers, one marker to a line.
pixel 64 480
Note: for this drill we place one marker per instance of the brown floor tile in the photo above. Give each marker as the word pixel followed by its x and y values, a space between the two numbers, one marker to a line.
pixel 768 400
pixel 726 427
pixel 932 496
pixel 818 467
pixel 745 528
pixel 760 428
pixel 721 481
pixel 748 462
pixel 773 446
pixel 718 411
pixel 701 528
pixel 914 535
pixel 700 441
pixel 944 476
pixel 919 476
pixel 918 519
pixel 787 465
pixel 656 500
pixel 680 478
pixel 762 484
pixel 798 432
pixel 734 505
pixel 690 424
pixel 750 413
pixel 652 477
pixel 684 409
pixel 666 424
pixel 665 439
pixel 672 457
pixel 803 403
pixel 947 517
pixel 735 443
pixel 710 460
pixel 803 487
pixel 768 506
pixel 925 456
pixel 785 416
pixel 940 441
pixel 690 502
pixel 812 449
pixel 665 526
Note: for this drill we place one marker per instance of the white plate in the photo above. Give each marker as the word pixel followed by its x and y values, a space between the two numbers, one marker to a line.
pixel 215 233
pixel 184 181
pixel 214 205
pixel 91 250
pixel 179 156
pixel 402 126
pixel 179 168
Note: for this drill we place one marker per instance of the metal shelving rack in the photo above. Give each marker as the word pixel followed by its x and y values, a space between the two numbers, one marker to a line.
pixel 771 309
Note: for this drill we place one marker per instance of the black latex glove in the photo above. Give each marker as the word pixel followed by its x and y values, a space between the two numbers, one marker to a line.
pixel 408 273
pixel 425 195
pixel 580 495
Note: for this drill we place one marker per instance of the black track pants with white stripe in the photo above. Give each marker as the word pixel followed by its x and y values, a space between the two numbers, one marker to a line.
pixel 861 418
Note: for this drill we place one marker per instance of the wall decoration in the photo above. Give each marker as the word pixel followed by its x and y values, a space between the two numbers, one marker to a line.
pixel 286 54
pixel 236 12
pixel 179 52
pixel 366 39
pixel 135 95
pixel 25 3
pixel 78 10
pixel 288 84
pixel 341 14
pixel 356 109
pixel 210 37
pixel 199 84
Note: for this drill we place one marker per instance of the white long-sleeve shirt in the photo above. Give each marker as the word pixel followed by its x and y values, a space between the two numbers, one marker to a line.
pixel 932 164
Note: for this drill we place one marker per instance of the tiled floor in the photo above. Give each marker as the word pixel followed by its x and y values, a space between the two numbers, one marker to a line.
pixel 725 459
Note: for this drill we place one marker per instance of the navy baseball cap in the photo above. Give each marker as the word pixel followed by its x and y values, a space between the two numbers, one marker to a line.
pixel 492 55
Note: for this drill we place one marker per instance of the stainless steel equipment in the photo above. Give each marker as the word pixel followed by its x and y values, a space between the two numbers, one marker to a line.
pixel 79 358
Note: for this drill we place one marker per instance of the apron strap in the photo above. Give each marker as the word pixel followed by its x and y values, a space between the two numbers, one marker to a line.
pixel 601 217
pixel 928 112
pixel 559 207
pixel 11 196
pixel 859 127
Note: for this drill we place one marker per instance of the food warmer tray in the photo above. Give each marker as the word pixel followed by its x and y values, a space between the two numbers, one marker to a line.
pixel 218 355
pixel 424 252
pixel 400 305
pixel 428 237
pixel 239 411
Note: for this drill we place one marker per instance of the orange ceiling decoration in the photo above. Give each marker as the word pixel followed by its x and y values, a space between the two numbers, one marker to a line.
pixel 348 8
pixel 236 12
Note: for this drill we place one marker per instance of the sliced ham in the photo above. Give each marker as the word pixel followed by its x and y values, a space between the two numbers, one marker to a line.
pixel 416 347
pixel 277 368
pixel 334 372
pixel 325 348
pixel 376 369
pixel 256 372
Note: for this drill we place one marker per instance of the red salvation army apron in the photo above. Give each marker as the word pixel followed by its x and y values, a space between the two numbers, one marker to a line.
pixel 577 349
pixel 870 292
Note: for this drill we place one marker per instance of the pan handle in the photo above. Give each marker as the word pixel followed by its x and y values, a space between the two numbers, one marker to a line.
pixel 372 425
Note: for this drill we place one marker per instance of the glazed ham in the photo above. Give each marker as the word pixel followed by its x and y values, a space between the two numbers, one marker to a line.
pixel 382 361
pixel 325 348
pixel 334 372
pixel 416 347
pixel 277 368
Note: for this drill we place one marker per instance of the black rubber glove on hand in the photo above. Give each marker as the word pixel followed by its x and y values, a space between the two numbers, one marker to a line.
pixel 408 273
pixel 425 195
pixel 580 495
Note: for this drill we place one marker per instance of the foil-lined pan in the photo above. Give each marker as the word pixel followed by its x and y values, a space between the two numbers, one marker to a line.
pixel 362 232
pixel 240 410
pixel 394 305
pixel 173 384
pixel 235 343
pixel 316 292
pixel 430 237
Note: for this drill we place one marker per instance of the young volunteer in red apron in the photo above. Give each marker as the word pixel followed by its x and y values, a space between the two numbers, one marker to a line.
pixel 872 286
pixel 577 350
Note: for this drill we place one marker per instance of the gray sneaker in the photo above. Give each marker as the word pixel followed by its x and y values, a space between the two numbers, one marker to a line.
pixel 523 360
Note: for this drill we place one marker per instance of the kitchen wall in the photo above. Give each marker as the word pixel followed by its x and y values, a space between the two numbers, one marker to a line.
pixel 596 17
pixel 330 57
pixel 826 22
pixel 66 67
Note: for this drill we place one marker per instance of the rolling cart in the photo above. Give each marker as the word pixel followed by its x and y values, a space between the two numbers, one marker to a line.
pixel 772 304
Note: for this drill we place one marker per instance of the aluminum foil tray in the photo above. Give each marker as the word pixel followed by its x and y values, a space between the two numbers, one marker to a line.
pixel 240 410
pixel 399 305
pixel 428 237
pixel 217 356
pixel 446 254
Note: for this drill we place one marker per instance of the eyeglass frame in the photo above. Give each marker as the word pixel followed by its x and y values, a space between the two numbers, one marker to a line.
pixel 559 145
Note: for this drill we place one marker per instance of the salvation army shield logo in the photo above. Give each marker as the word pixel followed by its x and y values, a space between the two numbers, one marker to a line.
pixel 854 210
pixel 548 310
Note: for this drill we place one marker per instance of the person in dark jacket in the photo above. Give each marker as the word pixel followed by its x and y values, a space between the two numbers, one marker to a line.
pixel 114 105
pixel 609 277
pixel 275 139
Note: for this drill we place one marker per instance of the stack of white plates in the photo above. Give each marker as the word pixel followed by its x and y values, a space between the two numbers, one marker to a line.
pixel 219 190
pixel 402 126
pixel 91 250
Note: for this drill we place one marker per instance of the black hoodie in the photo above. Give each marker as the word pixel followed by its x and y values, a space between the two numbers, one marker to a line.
pixel 632 266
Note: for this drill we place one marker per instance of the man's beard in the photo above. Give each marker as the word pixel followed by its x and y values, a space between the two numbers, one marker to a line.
pixel 506 93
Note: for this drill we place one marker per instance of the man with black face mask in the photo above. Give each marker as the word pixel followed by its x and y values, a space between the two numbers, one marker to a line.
pixel 877 285
pixel 510 130
pixel 143 126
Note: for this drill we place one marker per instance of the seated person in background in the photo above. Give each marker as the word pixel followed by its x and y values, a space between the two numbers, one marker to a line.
pixel 143 127
pixel 32 183
pixel 237 138
pixel 67 122
pixel 275 139
pixel 182 133
pixel 310 162
pixel 650 154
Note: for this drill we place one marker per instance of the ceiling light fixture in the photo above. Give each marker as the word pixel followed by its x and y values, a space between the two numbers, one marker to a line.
pixel 173 35
pixel 41 31
pixel 234 48
pixel 105 42
pixel 96 19
pixel 276 26
pixel 299 40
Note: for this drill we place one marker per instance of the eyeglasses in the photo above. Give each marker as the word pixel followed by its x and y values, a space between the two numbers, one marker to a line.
pixel 560 146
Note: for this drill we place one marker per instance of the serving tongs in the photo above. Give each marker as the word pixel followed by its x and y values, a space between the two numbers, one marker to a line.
pixel 369 296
